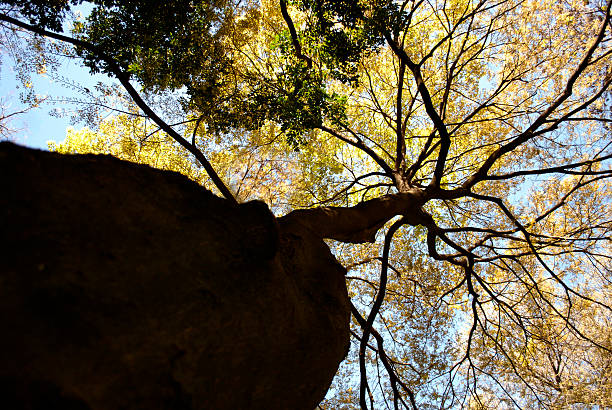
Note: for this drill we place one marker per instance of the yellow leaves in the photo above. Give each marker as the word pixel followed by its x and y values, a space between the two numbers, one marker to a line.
pixel 256 165
pixel 124 137
pixel 82 141
pixel 41 68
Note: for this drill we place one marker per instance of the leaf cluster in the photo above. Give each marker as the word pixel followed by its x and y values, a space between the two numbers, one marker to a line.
pixel 45 14
pixel 162 47
pixel 344 32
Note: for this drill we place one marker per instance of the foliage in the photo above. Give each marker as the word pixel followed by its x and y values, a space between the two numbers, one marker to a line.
pixel 28 56
pixel 118 137
pixel 492 118
pixel 257 167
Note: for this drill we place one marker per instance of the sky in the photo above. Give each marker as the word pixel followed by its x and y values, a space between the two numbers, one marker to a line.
pixel 37 126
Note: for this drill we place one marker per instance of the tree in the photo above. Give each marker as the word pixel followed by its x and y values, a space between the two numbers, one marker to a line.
pixel 483 125
pixel 28 54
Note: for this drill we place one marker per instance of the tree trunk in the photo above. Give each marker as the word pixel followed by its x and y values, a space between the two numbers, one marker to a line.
pixel 123 286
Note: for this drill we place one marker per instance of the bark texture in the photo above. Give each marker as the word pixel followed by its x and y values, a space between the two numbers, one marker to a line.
pixel 122 286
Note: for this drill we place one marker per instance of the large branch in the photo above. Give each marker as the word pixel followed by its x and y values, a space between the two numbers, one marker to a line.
pixel 124 80
pixel 359 223
pixel 400 144
pixel 438 123
pixel 294 36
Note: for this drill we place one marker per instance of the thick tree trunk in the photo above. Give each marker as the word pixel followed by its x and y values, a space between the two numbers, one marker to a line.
pixel 123 286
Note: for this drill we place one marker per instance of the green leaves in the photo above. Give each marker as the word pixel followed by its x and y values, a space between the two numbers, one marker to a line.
pixel 162 47
pixel 344 32
pixel 47 14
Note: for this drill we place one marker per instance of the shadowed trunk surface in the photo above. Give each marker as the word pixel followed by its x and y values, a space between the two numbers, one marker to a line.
pixel 122 286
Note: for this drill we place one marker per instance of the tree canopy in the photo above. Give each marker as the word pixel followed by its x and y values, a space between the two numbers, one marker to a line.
pixel 456 154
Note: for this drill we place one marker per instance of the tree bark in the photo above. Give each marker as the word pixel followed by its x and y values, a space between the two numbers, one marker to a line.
pixel 123 286
pixel 359 224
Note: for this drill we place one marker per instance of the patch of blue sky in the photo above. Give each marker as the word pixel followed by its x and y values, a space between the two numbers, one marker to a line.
pixel 50 119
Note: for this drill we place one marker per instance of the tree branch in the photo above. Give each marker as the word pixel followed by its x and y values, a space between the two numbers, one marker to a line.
pixel 124 80
pixel 359 223
pixel 543 117
pixel 294 37
pixel 400 151
pixel 357 143
pixel 429 108
pixel 380 297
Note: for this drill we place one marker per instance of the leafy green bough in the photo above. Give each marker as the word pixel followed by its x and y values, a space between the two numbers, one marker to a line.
pixel 456 154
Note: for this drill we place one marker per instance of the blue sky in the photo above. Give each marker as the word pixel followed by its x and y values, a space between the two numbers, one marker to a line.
pixel 37 126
